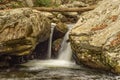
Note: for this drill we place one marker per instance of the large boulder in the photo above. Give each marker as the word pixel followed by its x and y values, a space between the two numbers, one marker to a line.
pixel 21 30
pixel 95 39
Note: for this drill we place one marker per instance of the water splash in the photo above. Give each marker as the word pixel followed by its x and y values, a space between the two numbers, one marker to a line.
pixel 65 51
pixel 50 40
pixel 43 64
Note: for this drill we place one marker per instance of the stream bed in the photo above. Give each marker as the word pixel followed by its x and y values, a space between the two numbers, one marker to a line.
pixel 48 72
pixel 59 69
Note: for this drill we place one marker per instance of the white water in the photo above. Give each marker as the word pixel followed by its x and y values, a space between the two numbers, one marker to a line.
pixel 65 51
pixel 50 40
pixel 64 59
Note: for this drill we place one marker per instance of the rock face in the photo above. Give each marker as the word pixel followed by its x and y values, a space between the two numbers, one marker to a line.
pixel 21 30
pixel 95 39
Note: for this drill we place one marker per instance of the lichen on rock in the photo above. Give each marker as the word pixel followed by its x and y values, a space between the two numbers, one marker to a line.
pixel 21 30
pixel 95 38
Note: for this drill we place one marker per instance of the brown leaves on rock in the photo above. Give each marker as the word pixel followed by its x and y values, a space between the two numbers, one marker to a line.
pixel 113 18
pixel 104 25
pixel 116 41
pixel 99 27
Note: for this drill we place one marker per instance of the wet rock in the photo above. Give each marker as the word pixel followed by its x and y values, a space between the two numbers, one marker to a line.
pixel 61 17
pixel 95 38
pixel 62 27
pixel 21 30
pixel 60 30
pixel 58 34
pixel 41 51
pixel 56 47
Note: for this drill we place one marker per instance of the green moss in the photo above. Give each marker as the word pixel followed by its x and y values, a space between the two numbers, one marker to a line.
pixel 16 4
pixel 1 0
pixel 43 3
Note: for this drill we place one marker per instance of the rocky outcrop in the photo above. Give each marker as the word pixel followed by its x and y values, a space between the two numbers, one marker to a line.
pixel 21 30
pixel 95 39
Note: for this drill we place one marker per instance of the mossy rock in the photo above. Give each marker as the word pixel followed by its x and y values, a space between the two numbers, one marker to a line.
pixel 60 30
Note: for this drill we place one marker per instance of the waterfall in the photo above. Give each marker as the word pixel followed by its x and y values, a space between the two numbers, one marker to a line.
pixel 64 59
pixel 65 53
pixel 50 40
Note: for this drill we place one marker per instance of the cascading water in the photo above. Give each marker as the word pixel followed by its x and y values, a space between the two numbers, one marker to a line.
pixel 50 40
pixel 64 59
pixel 65 51
pixel 59 69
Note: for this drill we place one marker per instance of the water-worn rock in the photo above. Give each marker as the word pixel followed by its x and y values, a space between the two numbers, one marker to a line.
pixel 60 30
pixel 21 30
pixel 56 47
pixel 95 40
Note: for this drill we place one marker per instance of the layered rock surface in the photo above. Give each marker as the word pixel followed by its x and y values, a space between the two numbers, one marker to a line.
pixel 95 39
pixel 21 30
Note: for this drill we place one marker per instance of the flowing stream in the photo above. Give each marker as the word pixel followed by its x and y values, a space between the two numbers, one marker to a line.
pixel 56 69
